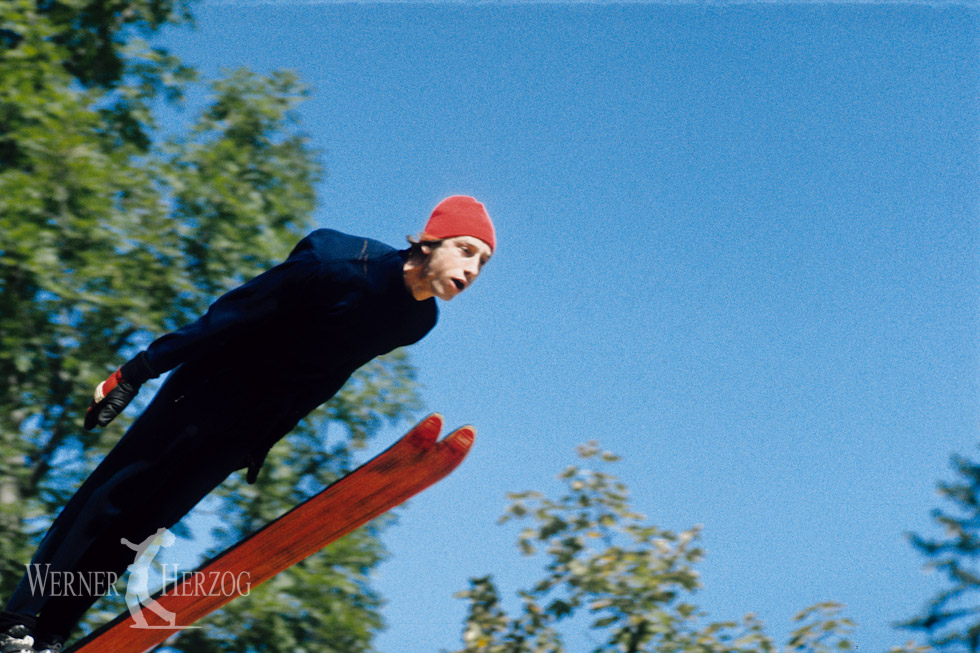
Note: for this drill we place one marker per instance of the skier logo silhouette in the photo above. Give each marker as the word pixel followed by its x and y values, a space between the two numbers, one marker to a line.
pixel 137 588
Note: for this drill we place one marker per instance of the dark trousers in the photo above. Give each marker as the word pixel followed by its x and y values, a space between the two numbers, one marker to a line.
pixel 172 456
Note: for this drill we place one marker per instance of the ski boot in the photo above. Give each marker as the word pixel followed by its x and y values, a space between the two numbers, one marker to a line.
pixel 17 639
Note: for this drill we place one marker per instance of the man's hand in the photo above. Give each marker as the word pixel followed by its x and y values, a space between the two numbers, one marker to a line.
pixel 111 397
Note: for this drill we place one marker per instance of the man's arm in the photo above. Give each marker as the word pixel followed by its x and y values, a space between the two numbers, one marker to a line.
pixel 235 313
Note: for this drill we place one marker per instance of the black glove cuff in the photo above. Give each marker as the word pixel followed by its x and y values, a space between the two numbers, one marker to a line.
pixel 138 371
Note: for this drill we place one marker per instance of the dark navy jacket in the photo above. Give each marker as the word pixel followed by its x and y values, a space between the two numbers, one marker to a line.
pixel 270 351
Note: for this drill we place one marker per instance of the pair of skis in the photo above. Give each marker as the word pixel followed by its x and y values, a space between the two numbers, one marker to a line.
pixel 409 466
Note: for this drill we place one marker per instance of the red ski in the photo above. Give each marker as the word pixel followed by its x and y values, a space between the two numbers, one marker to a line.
pixel 406 468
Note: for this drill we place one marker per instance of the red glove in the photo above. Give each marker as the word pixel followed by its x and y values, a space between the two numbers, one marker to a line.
pixel 111 397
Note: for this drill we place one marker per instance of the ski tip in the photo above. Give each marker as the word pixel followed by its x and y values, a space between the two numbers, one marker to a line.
pixel 427 431
pixel 461 439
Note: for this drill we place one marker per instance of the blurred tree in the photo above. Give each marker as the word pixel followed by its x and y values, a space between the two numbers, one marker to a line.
pixel 112 233
pixel 630 580
pixel 952 618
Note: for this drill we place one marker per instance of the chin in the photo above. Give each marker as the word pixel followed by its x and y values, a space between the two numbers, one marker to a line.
pixel 448 291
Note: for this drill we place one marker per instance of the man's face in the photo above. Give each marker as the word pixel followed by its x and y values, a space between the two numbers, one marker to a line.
pixel 454 265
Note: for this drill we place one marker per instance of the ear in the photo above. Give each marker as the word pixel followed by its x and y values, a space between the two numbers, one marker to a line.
pixel 425 249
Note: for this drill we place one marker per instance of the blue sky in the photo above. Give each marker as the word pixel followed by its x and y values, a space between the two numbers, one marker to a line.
pixel 737 245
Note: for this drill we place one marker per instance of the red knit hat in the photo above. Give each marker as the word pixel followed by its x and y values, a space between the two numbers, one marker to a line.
pixel 460 215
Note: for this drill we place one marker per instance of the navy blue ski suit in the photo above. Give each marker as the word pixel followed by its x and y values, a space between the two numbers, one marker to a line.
pixel 262 357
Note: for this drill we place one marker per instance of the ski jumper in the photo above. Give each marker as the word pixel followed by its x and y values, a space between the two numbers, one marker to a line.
pixel 263 357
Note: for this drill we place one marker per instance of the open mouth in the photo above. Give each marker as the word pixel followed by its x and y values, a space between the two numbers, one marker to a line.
pixel 460 285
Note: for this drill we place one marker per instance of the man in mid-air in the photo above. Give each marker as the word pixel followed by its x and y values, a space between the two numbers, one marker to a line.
pixel 257 362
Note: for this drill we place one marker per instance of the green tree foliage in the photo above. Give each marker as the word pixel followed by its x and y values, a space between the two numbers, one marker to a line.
pixel 952 618
pixel 113 232
pixel 631 581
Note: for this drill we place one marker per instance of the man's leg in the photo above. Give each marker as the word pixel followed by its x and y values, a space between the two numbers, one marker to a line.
pixel 156 473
